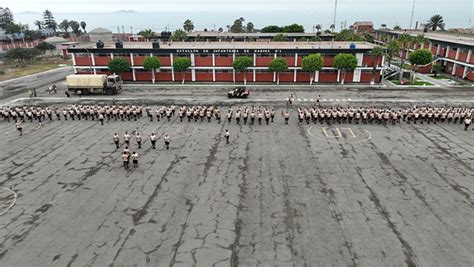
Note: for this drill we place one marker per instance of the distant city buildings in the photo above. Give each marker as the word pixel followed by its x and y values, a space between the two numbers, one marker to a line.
pixel 363 27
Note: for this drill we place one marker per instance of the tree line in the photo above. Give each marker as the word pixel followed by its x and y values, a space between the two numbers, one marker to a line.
pixel 48 22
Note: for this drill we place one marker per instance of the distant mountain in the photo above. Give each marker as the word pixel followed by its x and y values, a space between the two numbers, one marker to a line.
pixel 125 11
pixel 28 13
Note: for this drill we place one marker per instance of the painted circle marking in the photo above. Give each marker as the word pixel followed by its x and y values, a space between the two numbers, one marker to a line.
pixel 11 204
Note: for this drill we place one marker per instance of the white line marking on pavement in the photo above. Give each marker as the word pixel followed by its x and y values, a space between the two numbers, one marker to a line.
pixel 305 99
pixel 338 100
pixel 13 202
pixel 330 100
pixel 312 100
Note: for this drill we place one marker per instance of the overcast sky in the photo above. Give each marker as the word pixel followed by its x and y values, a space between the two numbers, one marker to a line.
pixel 456 12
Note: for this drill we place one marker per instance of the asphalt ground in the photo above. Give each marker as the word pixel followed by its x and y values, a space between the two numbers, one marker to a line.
pixel 317 195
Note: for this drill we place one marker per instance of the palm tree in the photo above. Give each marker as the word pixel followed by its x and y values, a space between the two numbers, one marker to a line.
pixel 436 22
pixel 332 27
pixel 318 27
pixel 376 53
pixel 148 34
pixel 188 25
pixel 39 24
pixel 420 39
pixel 383 26
pixel 83 26
pixel 404 39
pixel 64 25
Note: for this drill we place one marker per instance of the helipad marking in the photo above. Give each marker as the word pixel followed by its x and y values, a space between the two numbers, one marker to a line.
pixel 328 137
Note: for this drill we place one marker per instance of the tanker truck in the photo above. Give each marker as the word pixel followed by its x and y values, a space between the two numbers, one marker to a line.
pixel 84 84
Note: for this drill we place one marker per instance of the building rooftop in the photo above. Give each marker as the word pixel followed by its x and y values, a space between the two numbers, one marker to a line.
pixel 363 23
pixel 449 37
pixel 100 31
pixel 237 45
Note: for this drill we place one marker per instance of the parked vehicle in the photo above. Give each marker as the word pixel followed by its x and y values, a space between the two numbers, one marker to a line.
pixel 83 84
pixel 238 92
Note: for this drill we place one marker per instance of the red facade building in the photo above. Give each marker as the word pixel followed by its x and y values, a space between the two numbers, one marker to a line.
pixel 212 61
pixel 454 52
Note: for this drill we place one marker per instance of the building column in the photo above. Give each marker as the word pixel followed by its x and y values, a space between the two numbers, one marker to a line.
pixel 133 75
pixel 469 55
pixel 356 75
pixel 338 75
pixel 464 72
pixel 233 70
pixel 454 69
pixel 193 71
pixel 294 75
pixel 73 56
pixel 438 49
pixel 132 62
pixel 213 59
pixel 316 76
pixel 360 59
pixel 430 46
pixel 457 53
pixel 112 55
pixel 92 59
pixel 95 71
pixel 254 75
pixel 172 69
pixel 254 59
pixel 447 51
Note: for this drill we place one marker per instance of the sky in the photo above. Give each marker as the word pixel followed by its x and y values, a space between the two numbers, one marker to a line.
pixel 457 13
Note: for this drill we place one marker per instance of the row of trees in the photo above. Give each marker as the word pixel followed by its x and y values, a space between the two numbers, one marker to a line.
pixel 49 22
pixel 311 63
pixel 283 29
pixel 22 55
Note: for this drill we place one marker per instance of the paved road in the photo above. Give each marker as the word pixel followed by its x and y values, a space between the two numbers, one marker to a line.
pixel 19 87
pixel 216 95
pixel 277 195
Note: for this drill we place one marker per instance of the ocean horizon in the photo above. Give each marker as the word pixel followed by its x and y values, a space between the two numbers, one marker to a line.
pixel 211 20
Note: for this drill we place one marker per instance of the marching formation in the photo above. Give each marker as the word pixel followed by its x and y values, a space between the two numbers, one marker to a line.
pixel 386 116
pixel 252 115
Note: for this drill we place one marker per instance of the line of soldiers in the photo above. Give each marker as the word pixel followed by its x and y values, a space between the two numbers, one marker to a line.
pixel 246 115
pixel 138 138
pixel 250 115
pixel 387 116
pixel 72 112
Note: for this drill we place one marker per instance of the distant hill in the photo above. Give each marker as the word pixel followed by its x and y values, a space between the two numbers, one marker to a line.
pixel 28 13
pixel 125 11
